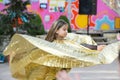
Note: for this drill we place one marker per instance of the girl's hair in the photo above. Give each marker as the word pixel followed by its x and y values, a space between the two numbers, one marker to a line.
pixel 51 36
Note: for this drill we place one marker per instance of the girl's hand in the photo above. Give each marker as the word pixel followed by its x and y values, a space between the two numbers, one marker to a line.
pixel 100 47
pixel 62 75
pixel 118 36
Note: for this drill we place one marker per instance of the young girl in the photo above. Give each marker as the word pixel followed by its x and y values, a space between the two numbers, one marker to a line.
pixel 37 59
pixel 59 31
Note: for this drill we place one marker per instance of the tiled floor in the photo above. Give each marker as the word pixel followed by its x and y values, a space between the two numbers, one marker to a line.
pixel 99 72
pixel 5 72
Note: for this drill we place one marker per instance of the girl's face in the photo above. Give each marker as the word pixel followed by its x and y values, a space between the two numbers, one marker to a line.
pixel 62 32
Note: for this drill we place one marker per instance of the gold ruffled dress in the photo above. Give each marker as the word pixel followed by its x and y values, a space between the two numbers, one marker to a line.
pixel 33 58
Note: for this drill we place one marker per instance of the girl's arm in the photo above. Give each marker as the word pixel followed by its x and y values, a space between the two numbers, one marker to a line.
pixel 94 47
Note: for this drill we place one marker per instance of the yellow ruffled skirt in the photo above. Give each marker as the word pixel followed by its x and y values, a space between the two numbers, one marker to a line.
pixel 33 58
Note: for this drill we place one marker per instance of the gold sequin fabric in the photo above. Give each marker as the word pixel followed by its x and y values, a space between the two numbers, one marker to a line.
pixel 33 58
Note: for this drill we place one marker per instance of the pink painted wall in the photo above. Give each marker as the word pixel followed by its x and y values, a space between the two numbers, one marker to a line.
pixel 104 15
pixel 1 6
pixel 43 12
pixel 103 10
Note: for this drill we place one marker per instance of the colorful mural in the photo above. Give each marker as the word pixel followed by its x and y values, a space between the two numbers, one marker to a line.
pixel 45 14
pixel 79 21
pixel 105 15
pixel 106 23
pixel 104 20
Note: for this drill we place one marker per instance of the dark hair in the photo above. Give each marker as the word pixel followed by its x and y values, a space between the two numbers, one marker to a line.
pixel 51 36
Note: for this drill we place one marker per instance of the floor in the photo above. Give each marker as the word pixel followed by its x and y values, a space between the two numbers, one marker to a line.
pixel 99 72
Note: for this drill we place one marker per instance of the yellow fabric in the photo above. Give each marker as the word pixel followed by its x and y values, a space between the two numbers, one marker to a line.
pixel 36 59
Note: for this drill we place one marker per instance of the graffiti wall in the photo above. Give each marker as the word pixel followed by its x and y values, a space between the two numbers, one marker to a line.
pixel 49 11
pixel 104 20
pixel 48 17
pixel 105 17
